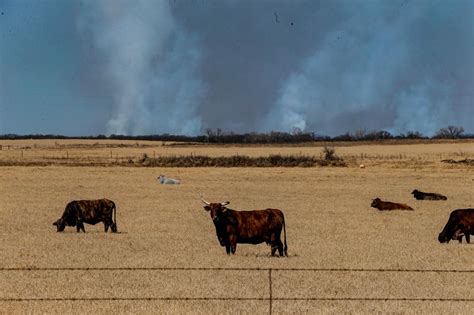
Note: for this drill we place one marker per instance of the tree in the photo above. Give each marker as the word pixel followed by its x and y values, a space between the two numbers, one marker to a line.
pixel 450 132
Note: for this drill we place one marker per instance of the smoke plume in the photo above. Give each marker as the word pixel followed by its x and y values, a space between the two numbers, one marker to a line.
pixel 177 66
pixel 151 63
pixel 396 66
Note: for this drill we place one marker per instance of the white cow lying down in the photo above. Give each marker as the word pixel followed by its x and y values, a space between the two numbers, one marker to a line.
pixel 167 181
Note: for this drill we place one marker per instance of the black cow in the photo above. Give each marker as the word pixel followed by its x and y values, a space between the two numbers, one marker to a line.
pixel 419 195
pixel 92 212
pixel 251 227
pixel 460 223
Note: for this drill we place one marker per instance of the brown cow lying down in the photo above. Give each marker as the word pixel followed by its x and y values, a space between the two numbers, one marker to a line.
pixel 461 222
pixel 92 212
pixel 419 195
pixel 252 227
pixel 387 205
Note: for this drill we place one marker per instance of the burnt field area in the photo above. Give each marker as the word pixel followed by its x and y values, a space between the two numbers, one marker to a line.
pixel 343 255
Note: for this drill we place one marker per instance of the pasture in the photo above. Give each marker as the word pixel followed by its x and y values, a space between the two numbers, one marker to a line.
pixel 344 256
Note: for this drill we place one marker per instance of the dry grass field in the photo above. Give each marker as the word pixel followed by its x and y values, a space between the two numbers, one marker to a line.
pixel 351 252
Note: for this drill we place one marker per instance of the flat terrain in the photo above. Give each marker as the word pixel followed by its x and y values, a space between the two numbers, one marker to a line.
pixel 344 254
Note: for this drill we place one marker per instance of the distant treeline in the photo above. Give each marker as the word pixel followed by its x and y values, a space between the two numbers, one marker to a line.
pixel 296 136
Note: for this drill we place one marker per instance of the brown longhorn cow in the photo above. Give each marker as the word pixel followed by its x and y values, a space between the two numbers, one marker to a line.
pixel 251 227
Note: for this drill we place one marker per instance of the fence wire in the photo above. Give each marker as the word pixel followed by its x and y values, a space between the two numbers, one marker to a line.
pixel 270 299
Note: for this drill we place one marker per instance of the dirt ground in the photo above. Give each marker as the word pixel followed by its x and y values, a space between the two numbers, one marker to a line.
pixel 344 256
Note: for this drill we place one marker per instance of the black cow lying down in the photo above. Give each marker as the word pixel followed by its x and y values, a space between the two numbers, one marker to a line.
pixel 92 212
pixel 419 195
pixel 251 227
pixel 460 223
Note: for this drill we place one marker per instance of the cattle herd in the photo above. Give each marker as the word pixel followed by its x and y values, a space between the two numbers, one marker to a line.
pixel 255 226
pixel 460 222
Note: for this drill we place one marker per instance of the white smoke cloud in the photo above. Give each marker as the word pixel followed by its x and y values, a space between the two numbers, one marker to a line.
pixel 388 67
pixel 151 62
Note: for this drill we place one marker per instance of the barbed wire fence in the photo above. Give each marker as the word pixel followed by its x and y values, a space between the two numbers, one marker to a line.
pixel 270 298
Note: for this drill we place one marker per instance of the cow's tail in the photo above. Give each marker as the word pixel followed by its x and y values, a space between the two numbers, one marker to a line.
pixel 285 249
pixel 115 214
pixel 114 209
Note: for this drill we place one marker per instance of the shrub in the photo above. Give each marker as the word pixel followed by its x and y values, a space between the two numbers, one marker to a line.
pixel 330 154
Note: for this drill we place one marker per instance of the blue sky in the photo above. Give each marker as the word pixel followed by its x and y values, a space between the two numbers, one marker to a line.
pixel 147 67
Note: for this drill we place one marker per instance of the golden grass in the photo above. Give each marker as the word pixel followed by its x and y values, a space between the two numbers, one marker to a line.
pixel 394 154
pixel 329 222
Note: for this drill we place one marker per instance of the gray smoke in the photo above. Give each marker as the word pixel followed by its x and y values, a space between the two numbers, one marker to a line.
pixel 397 66
pixel 151 63
pixel 179 66
pixel 324 66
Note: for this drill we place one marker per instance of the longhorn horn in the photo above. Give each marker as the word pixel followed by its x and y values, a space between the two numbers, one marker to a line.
pixel 225 203
pixel 206 202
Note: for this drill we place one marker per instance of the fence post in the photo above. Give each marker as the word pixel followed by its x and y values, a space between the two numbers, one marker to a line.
pixel 270 290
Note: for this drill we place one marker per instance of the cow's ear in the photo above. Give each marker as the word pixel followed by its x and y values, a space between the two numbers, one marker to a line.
pixel 224 209
pixel 207 208
pixel 55 223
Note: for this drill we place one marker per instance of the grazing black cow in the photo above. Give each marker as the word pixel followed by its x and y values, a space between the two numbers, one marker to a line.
pixel 460 223
pixel 92 212
pixel 387 205
pixel 419 195
pixel 251 227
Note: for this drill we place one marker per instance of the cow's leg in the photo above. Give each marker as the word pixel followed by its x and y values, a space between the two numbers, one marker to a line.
pixel 113 227
pixel 80 226
pixel 273 244
pixel 468 237
pixel 280 248
pixel 460 238
pixel 109 223
pixel 227 249
pixel 233 244
pixel 276 244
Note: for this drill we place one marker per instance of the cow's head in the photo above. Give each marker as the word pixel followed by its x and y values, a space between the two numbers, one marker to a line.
pixel 414 192
pixel 442 238
pixel 217 210
pixel 375 202
pixel 452 231
pixel 60 224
